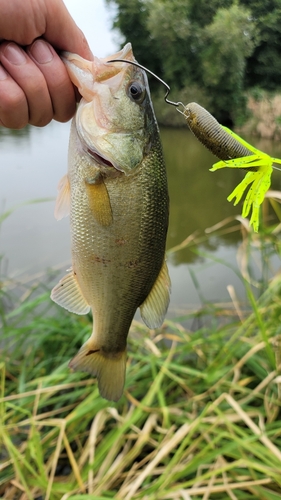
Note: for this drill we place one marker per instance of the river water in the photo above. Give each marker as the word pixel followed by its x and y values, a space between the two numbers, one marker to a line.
pixel 31 241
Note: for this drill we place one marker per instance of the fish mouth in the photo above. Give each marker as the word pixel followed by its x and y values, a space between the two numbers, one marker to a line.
pixel 91 149
pixel 85 74
pixel 101 160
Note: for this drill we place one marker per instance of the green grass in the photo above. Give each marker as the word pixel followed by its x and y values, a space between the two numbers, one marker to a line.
pixel 199 418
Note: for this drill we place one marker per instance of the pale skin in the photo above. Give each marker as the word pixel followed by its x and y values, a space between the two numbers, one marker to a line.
pixel 34 84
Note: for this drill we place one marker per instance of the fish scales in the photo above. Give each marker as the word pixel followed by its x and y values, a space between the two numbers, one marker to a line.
pixel 140 211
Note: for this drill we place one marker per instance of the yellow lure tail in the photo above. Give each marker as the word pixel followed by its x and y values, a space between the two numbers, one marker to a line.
pixel 259 177
pixel 234 152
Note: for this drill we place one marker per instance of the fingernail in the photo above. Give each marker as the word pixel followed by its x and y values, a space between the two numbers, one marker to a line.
pixel 41 52
pixel 14 54
pixel 3 74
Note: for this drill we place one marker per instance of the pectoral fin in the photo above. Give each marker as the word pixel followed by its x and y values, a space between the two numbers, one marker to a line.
pixel 99 202
pixel 62 207
pixel 155 306
pixel 67 294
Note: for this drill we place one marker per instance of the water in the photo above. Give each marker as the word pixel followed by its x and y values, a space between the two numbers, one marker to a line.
pixel 33 160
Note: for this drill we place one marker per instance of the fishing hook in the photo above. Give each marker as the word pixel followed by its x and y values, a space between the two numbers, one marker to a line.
pixel 155 76
pixel 168 89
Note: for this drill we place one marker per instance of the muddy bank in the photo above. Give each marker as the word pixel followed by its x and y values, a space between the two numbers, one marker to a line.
pixel 264 117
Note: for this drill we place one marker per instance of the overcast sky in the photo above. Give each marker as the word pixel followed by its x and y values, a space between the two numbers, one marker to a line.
pixel 94 19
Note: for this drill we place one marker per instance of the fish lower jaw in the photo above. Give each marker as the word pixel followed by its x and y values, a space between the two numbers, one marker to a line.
pixel 99 158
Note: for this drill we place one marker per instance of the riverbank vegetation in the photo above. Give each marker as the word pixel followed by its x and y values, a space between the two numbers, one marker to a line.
pixel 214 52
pixel 200 414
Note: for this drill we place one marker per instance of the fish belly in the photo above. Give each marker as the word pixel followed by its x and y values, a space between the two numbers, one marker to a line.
pixel 116 265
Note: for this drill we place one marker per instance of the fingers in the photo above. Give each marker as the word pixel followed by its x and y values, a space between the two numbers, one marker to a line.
pixel 34 86
pixel 64 34
pixel 13 104
pixel 29 96
pixel 59 86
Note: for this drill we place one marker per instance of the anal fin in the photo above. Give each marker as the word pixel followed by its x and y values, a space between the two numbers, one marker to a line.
pixel 155 306
pixel 110 370
pixel 67 294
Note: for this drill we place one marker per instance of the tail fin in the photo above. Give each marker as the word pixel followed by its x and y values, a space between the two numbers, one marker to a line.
pixel 109 370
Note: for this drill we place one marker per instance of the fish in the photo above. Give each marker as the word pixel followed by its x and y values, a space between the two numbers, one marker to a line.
pixel 116 194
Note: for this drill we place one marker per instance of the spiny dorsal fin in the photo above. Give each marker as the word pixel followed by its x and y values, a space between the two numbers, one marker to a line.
pixel 99 202
pixel 67 293
pixel 155 306
pixel 62 207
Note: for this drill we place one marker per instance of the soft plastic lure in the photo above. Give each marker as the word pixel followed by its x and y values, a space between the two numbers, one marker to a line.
pixel 233 151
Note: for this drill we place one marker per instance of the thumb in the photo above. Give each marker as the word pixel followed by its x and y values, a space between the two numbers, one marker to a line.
pixel 62 32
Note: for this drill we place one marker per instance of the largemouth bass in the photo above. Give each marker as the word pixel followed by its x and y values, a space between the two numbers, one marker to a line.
pixel 116 193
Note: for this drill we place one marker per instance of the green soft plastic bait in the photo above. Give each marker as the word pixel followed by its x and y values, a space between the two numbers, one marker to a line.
pixel 234 152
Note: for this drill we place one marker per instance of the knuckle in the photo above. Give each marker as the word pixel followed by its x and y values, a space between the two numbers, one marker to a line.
pixel 13 109
pixel 10 101
pixel 37 87
pixel 42 120
pixel 64 102
pixel 65 114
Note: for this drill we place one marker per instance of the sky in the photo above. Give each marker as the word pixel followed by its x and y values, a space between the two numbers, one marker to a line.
pixel 94 18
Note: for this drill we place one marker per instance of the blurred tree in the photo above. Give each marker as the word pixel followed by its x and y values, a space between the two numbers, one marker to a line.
pixel 264 65
pixel 216 45
pixel 131 21
pixel 212 56
pixel 228 41
pixel 201 12
pixel 173 39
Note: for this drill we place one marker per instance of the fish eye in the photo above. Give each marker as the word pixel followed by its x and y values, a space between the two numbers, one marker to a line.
pixel 136 92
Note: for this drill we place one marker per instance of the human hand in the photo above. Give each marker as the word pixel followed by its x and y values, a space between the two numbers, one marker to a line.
pixel 34 84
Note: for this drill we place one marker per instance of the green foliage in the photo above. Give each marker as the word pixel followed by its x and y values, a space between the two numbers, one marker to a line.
pixel 199 415
pixel 173 37
pixel 220 46
pixel 203 11
pixel 166 115
pixel 257 93
pixel 229 39
pixel 264 66
pixel 131 21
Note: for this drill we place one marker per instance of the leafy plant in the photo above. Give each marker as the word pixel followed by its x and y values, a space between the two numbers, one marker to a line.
pixel 199 417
